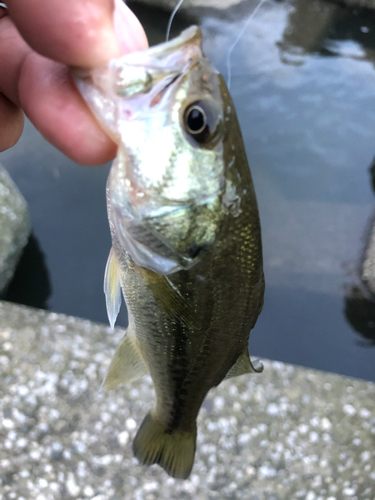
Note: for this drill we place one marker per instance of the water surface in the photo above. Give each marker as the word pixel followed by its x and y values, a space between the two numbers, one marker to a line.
pixel 303 82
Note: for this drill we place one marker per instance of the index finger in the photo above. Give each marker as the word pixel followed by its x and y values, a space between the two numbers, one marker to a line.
pixel 43 88
pixel 76 32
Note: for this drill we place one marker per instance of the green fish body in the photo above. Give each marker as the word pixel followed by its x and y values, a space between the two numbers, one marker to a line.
pixel 186 241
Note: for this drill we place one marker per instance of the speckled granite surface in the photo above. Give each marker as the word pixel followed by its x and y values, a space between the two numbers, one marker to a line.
pixel 289 433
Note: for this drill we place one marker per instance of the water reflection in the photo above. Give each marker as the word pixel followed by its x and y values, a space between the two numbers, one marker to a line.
pixel 350 35
pixel 327 29
pixel 317 20
pixel 360 300
pixel 31 284
pixel 155 21
pixel 309 132
pixel 307 116
pixel 368 259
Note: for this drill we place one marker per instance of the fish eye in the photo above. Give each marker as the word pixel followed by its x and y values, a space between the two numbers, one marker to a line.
pixel 200 121
pixel 196 120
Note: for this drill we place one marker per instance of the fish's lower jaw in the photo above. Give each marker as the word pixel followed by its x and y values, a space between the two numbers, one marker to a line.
pixel 172 450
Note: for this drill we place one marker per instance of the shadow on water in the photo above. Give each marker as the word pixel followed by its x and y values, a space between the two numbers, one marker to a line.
pixel 360 312
pixel 360 299
pixel 31 284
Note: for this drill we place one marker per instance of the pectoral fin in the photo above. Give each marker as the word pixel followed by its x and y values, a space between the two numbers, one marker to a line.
pixel 169 298
pixel 244 365
pixel 127 363
pixel 112 288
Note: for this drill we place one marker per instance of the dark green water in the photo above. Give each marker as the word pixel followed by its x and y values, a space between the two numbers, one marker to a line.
pixel 303 82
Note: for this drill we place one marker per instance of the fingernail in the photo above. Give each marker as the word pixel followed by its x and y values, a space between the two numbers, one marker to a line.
pixel 129 32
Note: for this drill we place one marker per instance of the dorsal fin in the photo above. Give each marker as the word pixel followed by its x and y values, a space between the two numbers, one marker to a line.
pixel 112 287
pixel 244 365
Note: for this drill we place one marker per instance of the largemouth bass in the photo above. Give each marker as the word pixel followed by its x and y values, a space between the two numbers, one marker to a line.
pixel 186 241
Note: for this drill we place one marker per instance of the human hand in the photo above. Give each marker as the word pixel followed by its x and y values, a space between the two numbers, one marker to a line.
pixel 38 42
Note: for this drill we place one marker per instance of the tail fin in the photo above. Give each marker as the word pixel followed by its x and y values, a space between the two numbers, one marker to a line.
pixel 174 451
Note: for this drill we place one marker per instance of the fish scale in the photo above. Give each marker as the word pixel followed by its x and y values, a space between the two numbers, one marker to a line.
pixel 186 242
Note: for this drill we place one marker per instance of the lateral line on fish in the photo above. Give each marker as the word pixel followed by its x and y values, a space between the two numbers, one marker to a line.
pixel 238 38
pixel 174 12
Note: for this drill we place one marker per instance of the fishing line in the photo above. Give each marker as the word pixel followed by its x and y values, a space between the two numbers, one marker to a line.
pixel 238 38
pixel 171 19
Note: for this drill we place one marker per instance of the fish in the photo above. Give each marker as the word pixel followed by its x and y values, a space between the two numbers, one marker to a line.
pixel 186 240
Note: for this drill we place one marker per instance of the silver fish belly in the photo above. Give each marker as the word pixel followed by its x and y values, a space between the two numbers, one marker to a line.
pixel 186 243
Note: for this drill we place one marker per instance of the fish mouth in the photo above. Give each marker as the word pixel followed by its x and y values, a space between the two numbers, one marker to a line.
pixel 173 56
pixel 192 35
pixel 151 71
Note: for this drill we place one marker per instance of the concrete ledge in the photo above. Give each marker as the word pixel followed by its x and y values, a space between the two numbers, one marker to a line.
pixel 288 433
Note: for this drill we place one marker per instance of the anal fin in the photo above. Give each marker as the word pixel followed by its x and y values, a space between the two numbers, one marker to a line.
pixel 244 365
pixel 127 364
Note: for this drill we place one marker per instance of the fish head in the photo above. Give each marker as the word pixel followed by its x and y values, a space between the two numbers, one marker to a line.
pixel 164 108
